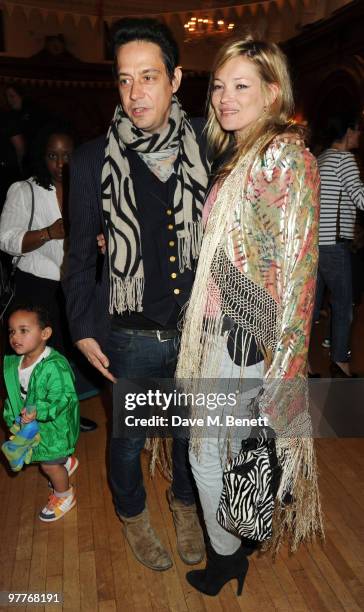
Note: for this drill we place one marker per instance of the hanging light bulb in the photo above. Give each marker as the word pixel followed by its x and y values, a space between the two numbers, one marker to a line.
pixel 199 27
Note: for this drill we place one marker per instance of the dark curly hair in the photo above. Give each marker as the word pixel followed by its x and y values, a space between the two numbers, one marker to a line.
pixel 41 313
pixel 37 154
pixel 149 30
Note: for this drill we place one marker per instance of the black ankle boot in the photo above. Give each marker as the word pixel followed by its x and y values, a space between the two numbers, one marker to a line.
pixel 219 570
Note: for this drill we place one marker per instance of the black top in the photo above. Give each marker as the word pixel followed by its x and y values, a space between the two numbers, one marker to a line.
pixel 29 120
pixel 8 128
pixel 166 288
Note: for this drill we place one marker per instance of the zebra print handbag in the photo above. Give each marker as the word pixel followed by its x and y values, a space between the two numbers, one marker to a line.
pixel 251 482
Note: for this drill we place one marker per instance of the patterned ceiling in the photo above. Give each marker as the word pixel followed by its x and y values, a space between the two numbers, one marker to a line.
pixel 120 8
pixel 165 6
pixel 134 7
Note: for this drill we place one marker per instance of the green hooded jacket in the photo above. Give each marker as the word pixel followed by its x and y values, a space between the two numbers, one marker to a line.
pixel 51 390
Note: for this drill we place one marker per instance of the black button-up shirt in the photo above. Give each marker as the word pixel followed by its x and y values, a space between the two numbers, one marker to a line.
pixel 166 288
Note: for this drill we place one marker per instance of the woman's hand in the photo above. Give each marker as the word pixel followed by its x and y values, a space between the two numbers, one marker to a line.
pixel 101 243
pixel 56 230
pixel 34 239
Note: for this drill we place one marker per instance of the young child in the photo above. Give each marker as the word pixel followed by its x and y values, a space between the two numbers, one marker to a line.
pixel 40 377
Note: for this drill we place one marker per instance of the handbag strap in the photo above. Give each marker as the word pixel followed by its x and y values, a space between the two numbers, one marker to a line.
pixel 267 437
pixel 338 218
pixel 16 261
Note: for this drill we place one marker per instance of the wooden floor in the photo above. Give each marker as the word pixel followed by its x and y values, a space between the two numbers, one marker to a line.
pixel 86 558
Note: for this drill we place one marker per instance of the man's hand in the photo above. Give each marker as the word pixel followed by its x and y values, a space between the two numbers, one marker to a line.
pixel 27 417
pixel 93 353
pixel 101 243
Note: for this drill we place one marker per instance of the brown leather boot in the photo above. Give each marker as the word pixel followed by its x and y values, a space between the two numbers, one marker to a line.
pixel 144 542
pixel 190 541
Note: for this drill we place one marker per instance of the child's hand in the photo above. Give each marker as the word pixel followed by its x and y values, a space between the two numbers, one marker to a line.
pixel 27 417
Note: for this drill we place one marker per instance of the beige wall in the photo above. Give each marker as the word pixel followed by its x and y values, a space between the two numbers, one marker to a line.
pixel 25 32
pixel 25 36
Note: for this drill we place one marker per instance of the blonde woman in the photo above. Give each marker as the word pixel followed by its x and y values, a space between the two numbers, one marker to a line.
pixel 250 310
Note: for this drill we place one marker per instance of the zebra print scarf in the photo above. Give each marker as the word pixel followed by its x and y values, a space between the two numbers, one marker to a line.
pixel 120 207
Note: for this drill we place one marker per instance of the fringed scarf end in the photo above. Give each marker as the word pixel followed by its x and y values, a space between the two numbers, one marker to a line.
pixel 189 244
pixel 298 514
pixel 126 294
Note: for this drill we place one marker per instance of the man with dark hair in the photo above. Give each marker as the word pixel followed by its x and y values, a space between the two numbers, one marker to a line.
pixel 143 188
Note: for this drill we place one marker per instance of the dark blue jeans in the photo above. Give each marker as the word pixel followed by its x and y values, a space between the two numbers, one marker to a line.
pixel 334 272
pixel 135 356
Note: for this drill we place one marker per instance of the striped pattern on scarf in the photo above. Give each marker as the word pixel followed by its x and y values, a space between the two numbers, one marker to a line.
pixel 120 207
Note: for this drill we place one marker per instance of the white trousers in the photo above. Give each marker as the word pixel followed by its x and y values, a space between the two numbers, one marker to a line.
pixel 208 468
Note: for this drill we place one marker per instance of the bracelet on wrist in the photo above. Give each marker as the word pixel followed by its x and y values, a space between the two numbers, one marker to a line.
pixel 45 235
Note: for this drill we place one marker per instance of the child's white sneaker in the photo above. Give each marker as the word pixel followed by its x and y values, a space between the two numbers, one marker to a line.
pixel 57 507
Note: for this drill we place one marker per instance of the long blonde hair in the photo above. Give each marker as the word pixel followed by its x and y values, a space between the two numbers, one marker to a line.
pixel 271 64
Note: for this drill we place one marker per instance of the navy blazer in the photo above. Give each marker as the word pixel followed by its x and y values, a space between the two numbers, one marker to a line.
pixel 86 285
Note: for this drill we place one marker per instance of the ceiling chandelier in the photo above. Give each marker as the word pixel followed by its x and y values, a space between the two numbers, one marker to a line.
pixel 199 27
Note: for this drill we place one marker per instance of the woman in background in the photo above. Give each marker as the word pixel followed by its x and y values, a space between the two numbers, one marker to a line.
pixel 342 193
pixel 26 119
pixel 41 249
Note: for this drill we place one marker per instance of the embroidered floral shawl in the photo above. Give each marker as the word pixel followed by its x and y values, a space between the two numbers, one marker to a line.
pixel 258 266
